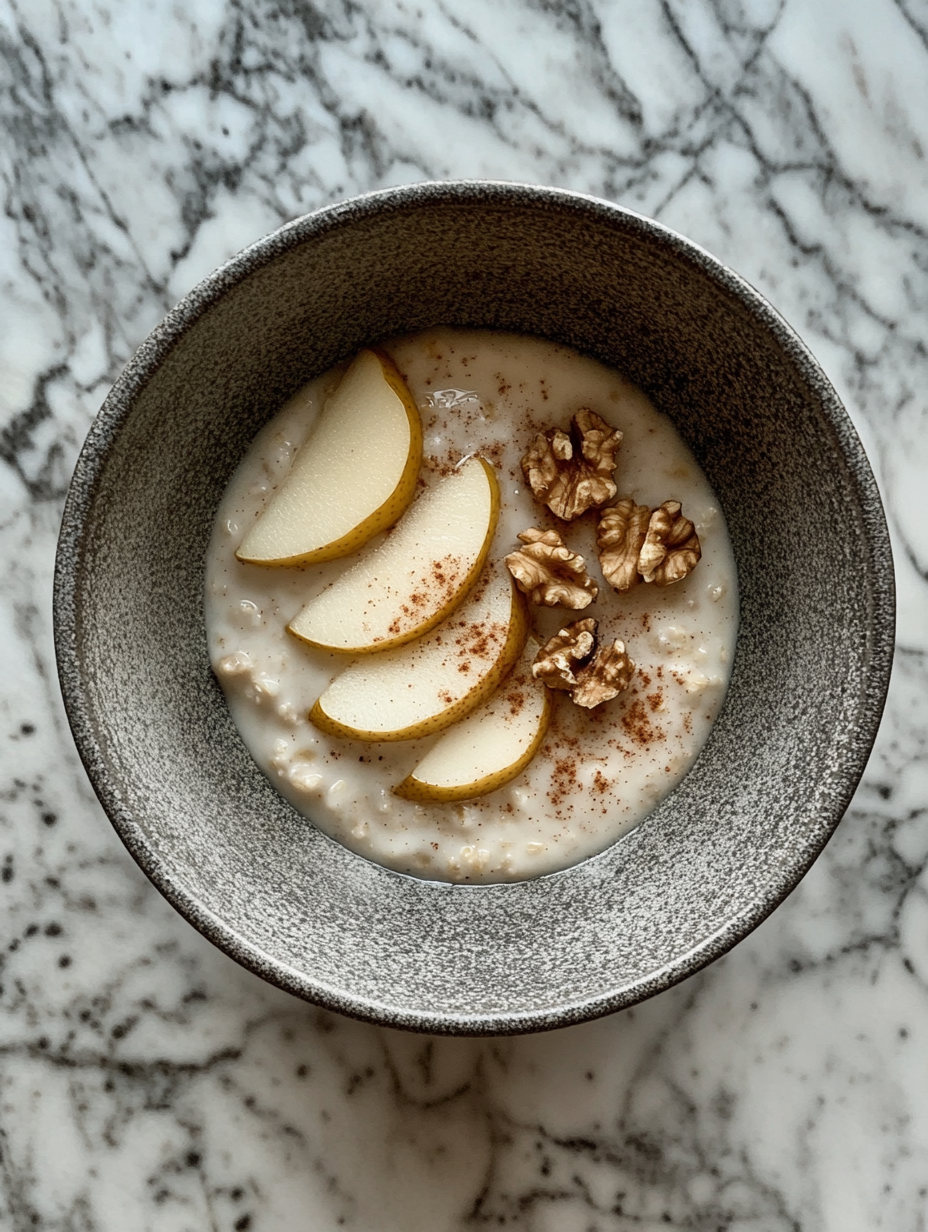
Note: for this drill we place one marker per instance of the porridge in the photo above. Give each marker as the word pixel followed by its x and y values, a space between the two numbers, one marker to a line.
pixel 598 759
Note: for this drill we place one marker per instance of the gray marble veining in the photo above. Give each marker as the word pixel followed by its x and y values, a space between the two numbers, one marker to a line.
pixel 148 1082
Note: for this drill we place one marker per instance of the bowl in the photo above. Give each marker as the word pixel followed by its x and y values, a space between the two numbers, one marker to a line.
pixel 808 681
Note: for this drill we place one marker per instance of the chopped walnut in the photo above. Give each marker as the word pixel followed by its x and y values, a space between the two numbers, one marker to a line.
pixel 572 646
pixel 619 537
pixel 608 675
pixel 671 548
pixel 549 572
pixel 573 473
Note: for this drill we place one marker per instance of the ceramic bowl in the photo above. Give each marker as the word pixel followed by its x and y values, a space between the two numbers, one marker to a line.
pixel 809 676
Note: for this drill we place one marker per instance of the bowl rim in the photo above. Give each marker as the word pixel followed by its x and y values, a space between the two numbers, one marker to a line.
pixel 118 407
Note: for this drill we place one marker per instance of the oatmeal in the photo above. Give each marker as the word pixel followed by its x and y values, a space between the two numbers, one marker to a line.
pixel 598 771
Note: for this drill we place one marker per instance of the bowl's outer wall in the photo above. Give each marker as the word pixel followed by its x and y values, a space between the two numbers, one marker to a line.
pixel 813 654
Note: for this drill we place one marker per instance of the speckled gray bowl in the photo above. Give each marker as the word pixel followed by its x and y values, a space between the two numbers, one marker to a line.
pixel 809 678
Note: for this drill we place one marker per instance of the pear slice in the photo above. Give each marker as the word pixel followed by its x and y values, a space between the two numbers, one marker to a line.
pixel 417 577
pixel 354 477
pixel 491 746
pixel 434 681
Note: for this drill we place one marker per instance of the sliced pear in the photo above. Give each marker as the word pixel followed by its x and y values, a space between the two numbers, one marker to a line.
pixel 434 681
pixel 417 577
pixel 491 746
pixel 354 477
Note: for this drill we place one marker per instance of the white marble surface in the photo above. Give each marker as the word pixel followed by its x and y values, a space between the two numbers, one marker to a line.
pixel 146 1082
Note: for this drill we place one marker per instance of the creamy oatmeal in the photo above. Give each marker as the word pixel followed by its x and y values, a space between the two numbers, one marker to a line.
pixel 598 772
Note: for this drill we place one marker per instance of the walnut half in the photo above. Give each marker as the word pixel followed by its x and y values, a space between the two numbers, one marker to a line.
pixel 619 537
pixel 573 473
pixel 600 678
pixel 548 572
pixel 635 542
pixel 555 662
pixel 671 548
pixel 605 677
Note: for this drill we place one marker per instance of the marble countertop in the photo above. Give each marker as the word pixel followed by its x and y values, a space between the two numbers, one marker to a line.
pixel 146 1081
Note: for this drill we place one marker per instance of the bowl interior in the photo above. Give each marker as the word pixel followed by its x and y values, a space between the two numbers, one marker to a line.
pixel 808 681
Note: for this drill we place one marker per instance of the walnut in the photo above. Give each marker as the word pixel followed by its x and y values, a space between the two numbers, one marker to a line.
pixel 605 677
pixel 555 662
pixel 619 537
pixel 658 545
pixel 573 473
pixel 567 662
pixel 671 548
pixel 549 572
